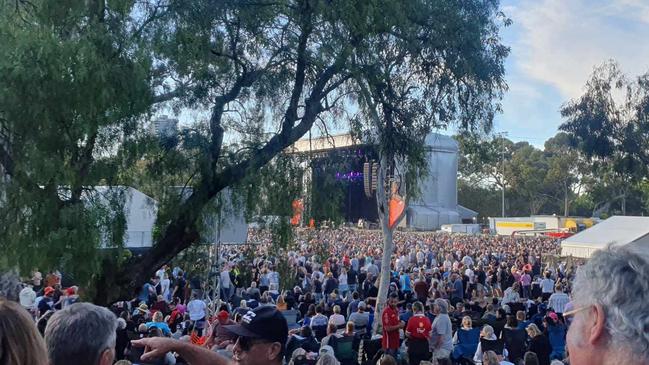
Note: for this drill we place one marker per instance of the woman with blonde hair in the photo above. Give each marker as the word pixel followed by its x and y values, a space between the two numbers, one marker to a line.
pixel 159 323
pixel 336 318
pixel 281 303
pixel 20 342
pixel 491 358
pixel 539 344
pixel 349 329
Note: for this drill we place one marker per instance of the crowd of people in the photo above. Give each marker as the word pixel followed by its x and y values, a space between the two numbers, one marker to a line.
pixel 452 299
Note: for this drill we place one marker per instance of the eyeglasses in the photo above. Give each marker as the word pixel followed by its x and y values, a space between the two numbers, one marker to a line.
pixel 246 343
pixel 575 311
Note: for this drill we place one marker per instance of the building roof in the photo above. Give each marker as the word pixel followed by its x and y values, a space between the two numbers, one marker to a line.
pixel 441 142
pixel 618 230
pixel 325 143
pixel 434 141
pixel 466 213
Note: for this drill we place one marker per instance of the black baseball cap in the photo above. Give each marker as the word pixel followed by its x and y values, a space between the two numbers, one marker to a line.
pixel 264 322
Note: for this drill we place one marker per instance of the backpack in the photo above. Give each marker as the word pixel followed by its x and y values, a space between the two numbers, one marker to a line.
pixel 369 351
pixel 343 348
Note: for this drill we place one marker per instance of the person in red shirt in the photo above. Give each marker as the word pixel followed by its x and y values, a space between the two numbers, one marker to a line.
pixel 418 333
pixel 391 326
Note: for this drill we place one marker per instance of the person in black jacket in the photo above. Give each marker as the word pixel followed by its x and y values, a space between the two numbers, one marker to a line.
pixel 47 302
pixel 499 323
pixel 121 339
pixel 539 344
pixel 305 340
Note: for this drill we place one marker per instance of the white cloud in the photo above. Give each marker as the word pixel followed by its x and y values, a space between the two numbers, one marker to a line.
pixel 558 42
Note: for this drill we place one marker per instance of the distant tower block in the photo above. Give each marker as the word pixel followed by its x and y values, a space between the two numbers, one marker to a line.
pixel 165 127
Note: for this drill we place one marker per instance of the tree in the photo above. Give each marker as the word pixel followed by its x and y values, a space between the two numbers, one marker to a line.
pixel 410 85
pixel 81 79
pixel 74 79
pixel 527 172
pixel 483 164
pixel 613 134
pixel 74 115
pixel 564 165
pixel 485 200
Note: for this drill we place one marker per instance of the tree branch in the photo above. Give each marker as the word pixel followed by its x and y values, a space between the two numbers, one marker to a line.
pixel 245 80
pixel 181 232
pixel 168 96
pixel 300 73
pixel 82 162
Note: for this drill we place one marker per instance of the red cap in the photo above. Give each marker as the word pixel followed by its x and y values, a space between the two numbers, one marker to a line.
pixel 223 315
pixel 48 290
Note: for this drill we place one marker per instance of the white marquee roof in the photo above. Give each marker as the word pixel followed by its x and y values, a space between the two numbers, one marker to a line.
pixel 619 230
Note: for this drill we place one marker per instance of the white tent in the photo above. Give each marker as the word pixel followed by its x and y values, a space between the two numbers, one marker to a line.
pixel 230 226
pixel 618 230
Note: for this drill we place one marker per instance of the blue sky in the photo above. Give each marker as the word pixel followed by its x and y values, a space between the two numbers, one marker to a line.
pixel 554 46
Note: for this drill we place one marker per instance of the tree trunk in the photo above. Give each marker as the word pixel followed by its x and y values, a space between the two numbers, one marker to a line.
pixel 181 232
pixel 566 211
pixel 382 199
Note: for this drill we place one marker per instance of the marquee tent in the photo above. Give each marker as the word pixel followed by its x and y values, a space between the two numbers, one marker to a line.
pixel 617 230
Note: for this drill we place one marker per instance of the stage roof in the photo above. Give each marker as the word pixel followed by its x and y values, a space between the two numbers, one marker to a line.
pixel 325 143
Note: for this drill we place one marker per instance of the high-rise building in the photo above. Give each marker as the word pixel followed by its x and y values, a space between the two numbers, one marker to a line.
pixel 165 126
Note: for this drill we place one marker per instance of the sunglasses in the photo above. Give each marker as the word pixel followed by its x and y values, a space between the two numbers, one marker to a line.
pixel 246 343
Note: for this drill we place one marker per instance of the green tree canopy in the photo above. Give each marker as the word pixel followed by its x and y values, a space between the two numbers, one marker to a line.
pixel 609 123
pixel 80 80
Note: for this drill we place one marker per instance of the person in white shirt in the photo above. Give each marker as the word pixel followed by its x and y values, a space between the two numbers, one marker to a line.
pixel 336 318
pixel 225 283
pixel 317 274
pixel 355 264
pixel 511 295
pixel 447 265
pixel 161 272
pixel 547 286
pixel 343 286
pixel 27 298
pixel 273 276
pixel 373 269
pixel 165 284
pixel 470 274
pixel 197 309
pixel 420 258
pixel 558 300
pixel 433 261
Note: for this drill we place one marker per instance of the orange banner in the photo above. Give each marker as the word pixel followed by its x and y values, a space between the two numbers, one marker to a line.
pixel 298 208
pixel 397 205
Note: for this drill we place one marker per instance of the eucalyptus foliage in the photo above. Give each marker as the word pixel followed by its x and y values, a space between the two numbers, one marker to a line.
pixel 80 80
